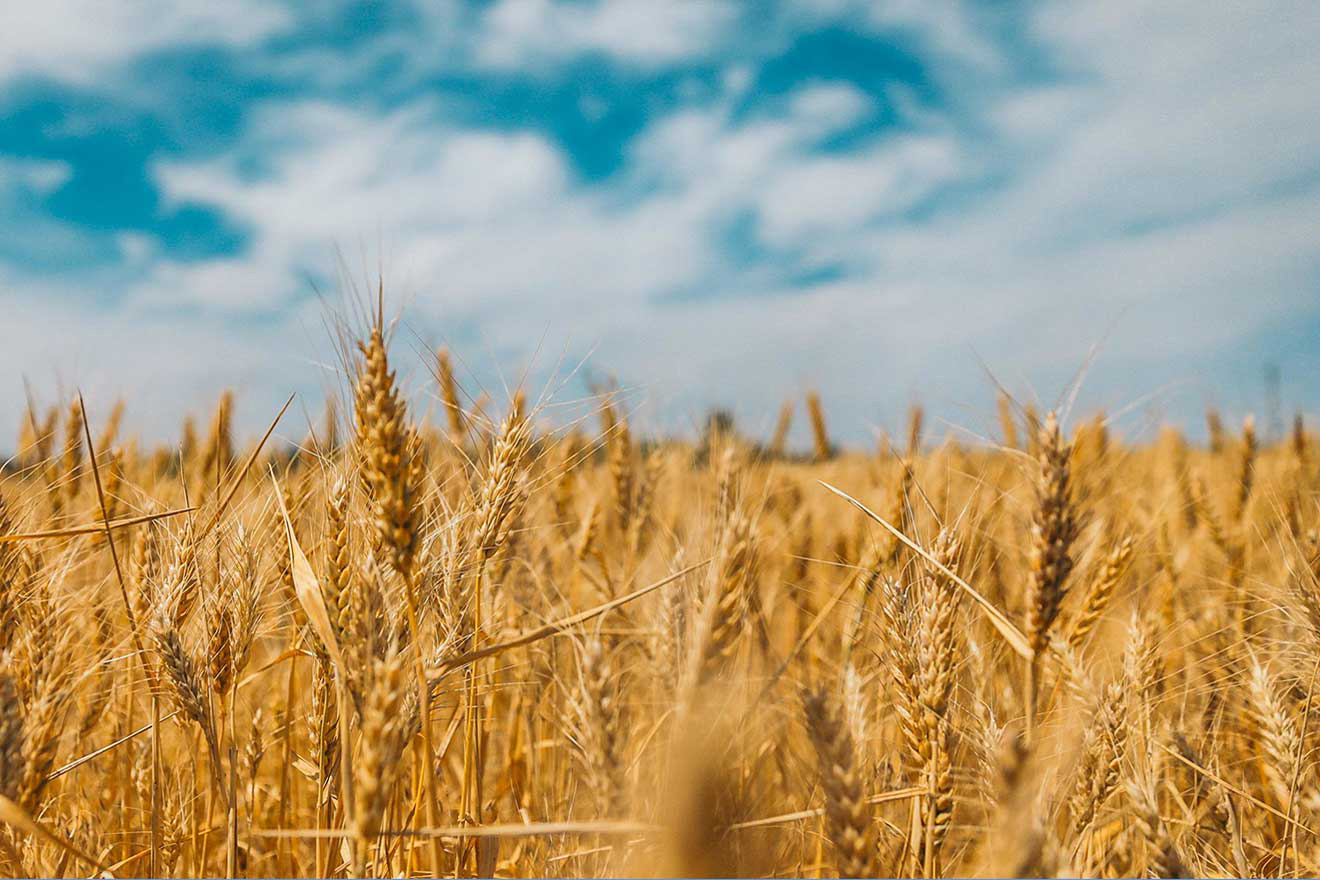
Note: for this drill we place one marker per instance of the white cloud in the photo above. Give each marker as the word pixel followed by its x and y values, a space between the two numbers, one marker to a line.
pixel 398 181
pixel 830 105
pixel 1191 105
pixel 522 33
pixel 41 176
pixel 832 195
pixel 76 40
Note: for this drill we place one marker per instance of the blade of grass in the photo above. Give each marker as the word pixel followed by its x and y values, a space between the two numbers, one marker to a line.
pixel 247 466
pixel 1016 640
pixel 91 756
pixel 91 528
pixel 458 661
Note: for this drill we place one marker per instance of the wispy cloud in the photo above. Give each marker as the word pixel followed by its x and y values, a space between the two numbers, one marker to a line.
pixel 529 33
pixel 81 40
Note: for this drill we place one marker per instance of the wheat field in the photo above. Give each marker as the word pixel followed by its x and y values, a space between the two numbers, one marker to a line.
pixel 481 643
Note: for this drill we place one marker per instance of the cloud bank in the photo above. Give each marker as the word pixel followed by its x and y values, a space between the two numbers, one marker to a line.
pixel 716 204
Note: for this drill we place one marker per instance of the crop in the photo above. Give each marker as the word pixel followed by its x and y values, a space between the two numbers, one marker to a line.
pixel 483 643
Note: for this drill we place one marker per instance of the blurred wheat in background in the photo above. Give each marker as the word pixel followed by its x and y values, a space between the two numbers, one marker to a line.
pixel 483 643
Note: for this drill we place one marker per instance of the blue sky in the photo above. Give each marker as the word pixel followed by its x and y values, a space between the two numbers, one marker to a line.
pixel 716 203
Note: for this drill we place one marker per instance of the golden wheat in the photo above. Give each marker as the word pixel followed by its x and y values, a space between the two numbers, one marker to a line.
pixel 520 648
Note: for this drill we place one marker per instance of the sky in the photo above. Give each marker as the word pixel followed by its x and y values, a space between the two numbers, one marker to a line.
pixel 709 203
